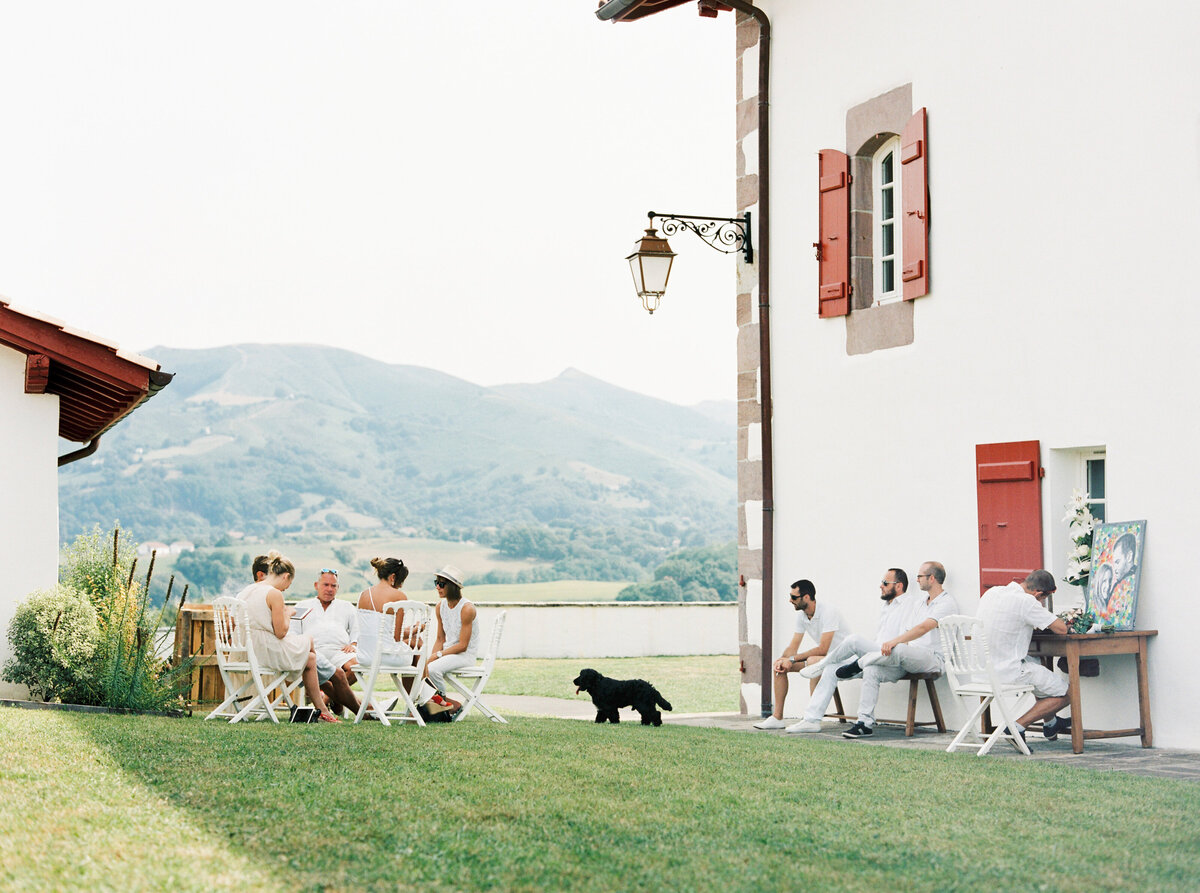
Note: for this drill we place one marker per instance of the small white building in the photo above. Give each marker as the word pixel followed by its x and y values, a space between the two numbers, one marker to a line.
pixel 55 382
pixel 1004 198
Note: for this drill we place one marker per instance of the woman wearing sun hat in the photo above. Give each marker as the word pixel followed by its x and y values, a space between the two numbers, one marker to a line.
pixel 457 640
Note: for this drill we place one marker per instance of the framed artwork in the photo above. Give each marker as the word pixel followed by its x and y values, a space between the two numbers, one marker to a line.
pixel 1112 591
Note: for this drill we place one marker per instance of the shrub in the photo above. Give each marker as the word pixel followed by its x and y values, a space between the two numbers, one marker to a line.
pixel 92 640
pixel 54 635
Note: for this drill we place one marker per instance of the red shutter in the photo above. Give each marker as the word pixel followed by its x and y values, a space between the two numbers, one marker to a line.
pixel 833 251
pixel 914 156
pixel 1008 480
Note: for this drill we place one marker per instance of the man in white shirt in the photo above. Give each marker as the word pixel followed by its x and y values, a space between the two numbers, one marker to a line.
pixel 840 663
pixel 916 650
pixel 1010 614
pixel 333 626
pixel 823 624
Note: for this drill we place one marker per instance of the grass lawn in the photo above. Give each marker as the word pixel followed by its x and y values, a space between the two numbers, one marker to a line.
pixel 700 684
pixel 149 803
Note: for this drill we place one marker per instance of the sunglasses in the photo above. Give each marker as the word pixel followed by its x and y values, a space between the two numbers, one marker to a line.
pixel 440 584
pixel 328 570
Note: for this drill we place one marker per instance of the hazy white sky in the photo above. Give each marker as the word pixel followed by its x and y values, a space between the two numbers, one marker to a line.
pixel 447 184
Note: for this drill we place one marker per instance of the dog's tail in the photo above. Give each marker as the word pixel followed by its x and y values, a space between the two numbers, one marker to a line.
pixel 661 701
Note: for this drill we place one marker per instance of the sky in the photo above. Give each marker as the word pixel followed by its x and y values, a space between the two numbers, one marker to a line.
pixel 450 184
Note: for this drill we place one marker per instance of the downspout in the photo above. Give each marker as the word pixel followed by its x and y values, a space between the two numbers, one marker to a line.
pixel 764 337
pixel 81 453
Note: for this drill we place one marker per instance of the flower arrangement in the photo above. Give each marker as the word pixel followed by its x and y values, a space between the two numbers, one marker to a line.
pixel 1079 524
pixel 1078 620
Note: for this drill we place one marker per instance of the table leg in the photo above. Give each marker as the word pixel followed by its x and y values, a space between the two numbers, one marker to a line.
pixel 1143 682
pixel 1073 694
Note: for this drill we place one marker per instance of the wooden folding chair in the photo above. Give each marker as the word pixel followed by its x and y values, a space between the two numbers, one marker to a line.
pixel 248 686
pixel 480 673
pixel 971 674
pixel 396 659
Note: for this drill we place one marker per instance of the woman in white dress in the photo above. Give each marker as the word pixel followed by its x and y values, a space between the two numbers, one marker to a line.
pixel 270 620
pixel 371 603
pixel 457 642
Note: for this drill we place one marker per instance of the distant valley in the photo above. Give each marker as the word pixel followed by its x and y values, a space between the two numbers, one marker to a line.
pixel 262 443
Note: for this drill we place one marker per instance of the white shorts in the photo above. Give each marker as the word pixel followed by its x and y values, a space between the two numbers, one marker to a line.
pixel 1046 683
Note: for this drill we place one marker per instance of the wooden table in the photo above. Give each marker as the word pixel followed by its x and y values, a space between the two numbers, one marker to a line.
pixel 1047 646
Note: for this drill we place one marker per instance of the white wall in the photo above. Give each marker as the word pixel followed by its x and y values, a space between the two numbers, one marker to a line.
pixel 612 629
pixel 28 494
pixel 1064 153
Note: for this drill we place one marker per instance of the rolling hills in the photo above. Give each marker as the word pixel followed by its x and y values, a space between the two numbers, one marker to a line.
pixel 267 441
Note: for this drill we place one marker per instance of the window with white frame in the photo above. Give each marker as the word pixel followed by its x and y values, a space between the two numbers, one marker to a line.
pixel 887 223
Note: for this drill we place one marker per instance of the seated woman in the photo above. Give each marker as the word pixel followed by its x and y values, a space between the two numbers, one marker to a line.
pixel 457 640
pixel 371 620
pixel 276 648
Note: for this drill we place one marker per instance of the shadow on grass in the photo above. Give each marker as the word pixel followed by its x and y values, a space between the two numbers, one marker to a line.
pixel 553 805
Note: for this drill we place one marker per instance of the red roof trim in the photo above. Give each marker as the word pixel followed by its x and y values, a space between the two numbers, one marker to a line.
pixel 97 385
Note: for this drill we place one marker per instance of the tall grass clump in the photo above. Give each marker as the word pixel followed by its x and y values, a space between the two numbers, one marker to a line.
pixel 114 662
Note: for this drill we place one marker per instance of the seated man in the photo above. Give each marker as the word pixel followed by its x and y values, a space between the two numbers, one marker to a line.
pixel 918 649
pixel 839 663
pixel 823 624
pixel 1010 614
pixel 333 626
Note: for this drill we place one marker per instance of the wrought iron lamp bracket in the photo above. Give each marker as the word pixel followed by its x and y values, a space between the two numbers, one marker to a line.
pixel 724 234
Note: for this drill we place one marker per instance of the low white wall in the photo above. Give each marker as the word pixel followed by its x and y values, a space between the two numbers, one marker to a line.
pixel 612 629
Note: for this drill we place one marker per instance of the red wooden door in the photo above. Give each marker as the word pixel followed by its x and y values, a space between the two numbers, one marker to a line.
pixel 1008 479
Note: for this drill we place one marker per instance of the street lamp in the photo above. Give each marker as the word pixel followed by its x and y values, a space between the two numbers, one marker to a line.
pixel 651 262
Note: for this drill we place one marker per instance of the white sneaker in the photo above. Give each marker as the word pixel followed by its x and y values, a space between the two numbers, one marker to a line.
pixel 868 659
pixel 805 725
pixel 812 671
pixel 770 723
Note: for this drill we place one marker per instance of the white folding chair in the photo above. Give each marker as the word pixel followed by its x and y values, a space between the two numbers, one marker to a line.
pixel 480 673
pixel 395 659
pixel 971 674
pixel 248 692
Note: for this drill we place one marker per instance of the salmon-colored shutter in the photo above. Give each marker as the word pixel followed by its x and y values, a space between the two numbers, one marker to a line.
pixel 914 156
pixel 833 251
pixel 1008 480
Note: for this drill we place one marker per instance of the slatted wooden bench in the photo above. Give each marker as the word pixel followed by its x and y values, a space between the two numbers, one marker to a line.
pixel 910 724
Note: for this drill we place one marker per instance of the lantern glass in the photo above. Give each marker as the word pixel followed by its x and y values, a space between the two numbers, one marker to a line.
pixel 650 265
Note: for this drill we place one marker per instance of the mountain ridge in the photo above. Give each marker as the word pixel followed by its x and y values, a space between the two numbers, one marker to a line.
pixel 299 439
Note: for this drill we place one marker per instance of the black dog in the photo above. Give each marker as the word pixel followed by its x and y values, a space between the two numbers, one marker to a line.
pixel 610 694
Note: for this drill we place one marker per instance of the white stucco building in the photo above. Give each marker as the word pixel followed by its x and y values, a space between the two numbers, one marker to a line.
pixel 1039 291
pixel 54 382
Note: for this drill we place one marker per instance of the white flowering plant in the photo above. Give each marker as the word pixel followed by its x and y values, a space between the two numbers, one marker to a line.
pixel 1079 527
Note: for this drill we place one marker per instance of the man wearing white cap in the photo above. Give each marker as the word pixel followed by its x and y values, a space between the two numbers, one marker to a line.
pixel 457 641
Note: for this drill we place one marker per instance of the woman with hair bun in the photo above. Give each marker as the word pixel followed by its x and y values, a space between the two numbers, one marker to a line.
pixel 270 620
pixel 371 603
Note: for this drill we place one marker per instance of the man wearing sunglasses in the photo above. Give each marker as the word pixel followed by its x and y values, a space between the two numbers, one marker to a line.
pixel 823 624
pixel 333 625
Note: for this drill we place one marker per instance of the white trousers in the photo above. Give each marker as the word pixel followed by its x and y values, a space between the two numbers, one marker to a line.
pixel 850 648
pixel 905 658
pixel 438 668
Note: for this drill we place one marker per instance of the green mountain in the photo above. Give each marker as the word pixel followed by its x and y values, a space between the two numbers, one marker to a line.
pixel 269 440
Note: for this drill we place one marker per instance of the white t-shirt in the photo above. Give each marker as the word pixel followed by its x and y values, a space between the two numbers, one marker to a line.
pixel 1010 615
pixel 824 618
pixel 921 609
